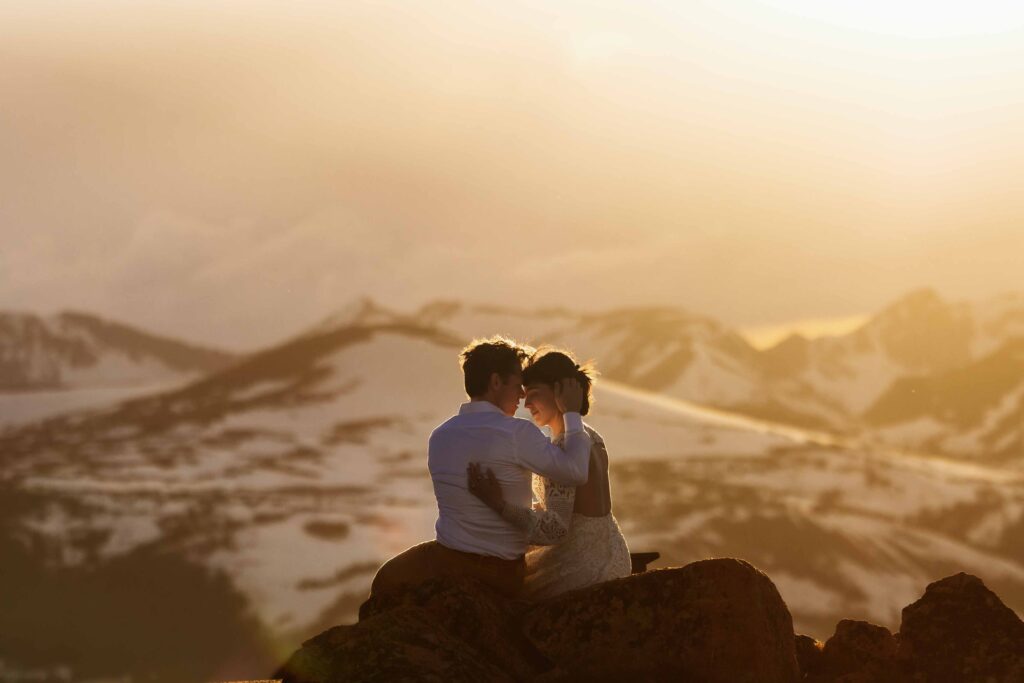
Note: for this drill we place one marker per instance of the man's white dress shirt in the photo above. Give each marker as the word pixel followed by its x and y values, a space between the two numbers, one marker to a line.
pixel 513 448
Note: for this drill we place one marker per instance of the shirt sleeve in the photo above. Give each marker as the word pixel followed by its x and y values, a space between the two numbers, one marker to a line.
pixel 536 453
pixel 547 524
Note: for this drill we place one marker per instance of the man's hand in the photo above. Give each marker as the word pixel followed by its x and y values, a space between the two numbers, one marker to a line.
pixel 485 487
pixel 569 395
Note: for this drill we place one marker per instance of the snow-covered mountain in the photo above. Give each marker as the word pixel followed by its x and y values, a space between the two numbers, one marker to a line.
pixel 671 351
pixel 72 361
pixel 851 384
pixel 923 372
pixel 661 349
pixel 259 500
pixel 974 410
pixel 72 350
pixel 918 335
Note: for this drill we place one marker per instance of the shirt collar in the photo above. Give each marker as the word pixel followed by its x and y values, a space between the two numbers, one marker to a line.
pixel 470 407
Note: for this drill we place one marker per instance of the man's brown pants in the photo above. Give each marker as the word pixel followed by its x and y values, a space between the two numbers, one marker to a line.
pixel 432 560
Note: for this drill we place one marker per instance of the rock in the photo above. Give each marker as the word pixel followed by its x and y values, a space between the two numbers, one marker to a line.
pixel 808 654
pixel 441 629
pixel 714 620
pixel 858 652
pixel 710 621
pixel 960 631
pixel 406 643
pixel 471 611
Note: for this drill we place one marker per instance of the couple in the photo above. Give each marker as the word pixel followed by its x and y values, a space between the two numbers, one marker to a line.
pixel 484 462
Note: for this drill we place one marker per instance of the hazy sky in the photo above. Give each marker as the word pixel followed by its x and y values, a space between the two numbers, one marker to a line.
pixel 231 172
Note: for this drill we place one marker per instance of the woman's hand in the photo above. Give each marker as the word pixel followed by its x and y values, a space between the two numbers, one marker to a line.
pixel 485 487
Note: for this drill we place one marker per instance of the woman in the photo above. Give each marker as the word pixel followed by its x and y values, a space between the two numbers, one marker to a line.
pixel 576 539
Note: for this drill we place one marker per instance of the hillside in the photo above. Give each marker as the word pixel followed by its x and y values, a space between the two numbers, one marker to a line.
pixel 275 487
pixel 974 409
pixel 78 350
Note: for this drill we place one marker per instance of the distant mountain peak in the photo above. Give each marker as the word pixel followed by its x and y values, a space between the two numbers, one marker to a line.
pixel 923 332
pixel 440 310
pixel 358 312
pixel 923 300
pixel 77 349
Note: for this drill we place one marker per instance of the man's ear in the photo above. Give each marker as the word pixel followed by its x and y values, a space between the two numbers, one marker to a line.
pixel 495 382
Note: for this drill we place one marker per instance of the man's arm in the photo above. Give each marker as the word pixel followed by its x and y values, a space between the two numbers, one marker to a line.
pixel 537 454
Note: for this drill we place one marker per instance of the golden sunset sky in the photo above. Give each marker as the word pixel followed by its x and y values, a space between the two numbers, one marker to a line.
pixel 231 172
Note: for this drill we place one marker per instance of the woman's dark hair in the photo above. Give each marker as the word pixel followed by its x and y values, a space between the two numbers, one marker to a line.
pixel 549 365
pixel 483 357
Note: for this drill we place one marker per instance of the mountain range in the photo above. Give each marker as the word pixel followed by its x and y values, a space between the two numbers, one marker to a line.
pixel 74 350
pixel 71 360
pixel 922 373
pixel 260 498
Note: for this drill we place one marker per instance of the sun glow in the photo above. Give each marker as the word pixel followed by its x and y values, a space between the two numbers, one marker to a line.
pixel 765 336
pixel 911 18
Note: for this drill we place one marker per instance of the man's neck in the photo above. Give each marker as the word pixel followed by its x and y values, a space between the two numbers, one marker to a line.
pixel 481 399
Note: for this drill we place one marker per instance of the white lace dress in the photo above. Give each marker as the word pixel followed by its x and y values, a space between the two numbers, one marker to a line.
pixel 569 550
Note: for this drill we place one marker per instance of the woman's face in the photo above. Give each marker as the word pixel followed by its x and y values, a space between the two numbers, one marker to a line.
pixel 540 401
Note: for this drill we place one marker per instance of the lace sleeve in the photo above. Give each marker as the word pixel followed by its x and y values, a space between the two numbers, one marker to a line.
pixel 549 522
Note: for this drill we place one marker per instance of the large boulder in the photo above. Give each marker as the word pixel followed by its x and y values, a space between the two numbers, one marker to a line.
pixel 405 644
pixel 961 631
pixel 472 612
pixel 441 629
pixel 710 621
pixel 714 620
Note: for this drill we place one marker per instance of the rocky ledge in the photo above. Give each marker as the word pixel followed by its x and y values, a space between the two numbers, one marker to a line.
pixel 714 620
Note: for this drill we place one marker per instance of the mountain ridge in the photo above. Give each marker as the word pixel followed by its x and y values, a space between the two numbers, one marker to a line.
pixel 294 473
pixel 73 349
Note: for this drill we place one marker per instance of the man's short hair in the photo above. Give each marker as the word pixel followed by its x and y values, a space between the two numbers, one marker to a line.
pixel 483 357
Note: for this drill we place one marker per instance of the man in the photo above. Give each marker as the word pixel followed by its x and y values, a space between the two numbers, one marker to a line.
pixel 470 539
